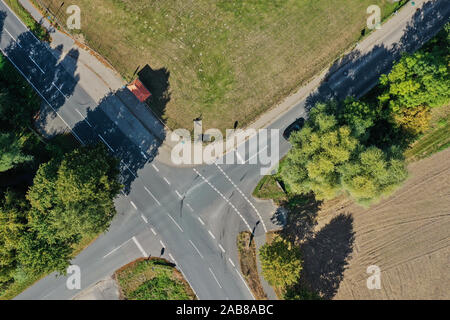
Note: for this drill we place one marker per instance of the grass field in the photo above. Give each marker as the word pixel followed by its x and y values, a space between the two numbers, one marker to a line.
pixel 225 60
pixel 152 279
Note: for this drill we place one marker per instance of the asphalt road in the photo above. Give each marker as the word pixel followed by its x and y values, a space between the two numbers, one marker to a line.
pixel 188 215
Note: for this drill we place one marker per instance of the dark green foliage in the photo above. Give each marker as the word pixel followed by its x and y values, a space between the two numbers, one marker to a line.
pixel 10 152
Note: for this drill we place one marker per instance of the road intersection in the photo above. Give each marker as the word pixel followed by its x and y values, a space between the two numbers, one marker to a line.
pixel 189 215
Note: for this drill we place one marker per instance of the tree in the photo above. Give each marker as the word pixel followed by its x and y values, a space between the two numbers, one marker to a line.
pixel 413 120
pixel 280 262
pixel 372 175
pixel 10 152
pixel 70 198
pixel 420 79
pixel 318 151
pixel 13 210
pixel 359 116
pixel 75 195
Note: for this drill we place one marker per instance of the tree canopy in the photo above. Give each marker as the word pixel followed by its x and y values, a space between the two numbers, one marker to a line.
pixel 281 262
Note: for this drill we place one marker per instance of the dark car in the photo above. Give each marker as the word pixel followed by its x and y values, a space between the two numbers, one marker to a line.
pixel 295 126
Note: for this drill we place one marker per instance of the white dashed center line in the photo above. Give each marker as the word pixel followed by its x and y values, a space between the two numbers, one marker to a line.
pixel 167 181
pixel 154 167
pixel 144 218
pixel 201 221
pixel 134 206
pixel 211 234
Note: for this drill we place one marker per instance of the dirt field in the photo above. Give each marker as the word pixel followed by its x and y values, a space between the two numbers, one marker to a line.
pixel 407 236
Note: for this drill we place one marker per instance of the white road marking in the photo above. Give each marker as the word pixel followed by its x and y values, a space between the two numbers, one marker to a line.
pixel 83 117
pixel 201 221
pixel 239 157
pixel 106 143
pixel 115 249
pixel 198 251
pixel 144 218
pixel 221 248
pixel 189 206
pixel 40 69
pixel 26 28
pixel 175 222
pixel 231 261
pixel 153 231
pixel 215 277
pixel 59 90
pixel 171 257
pixel 162 243
pixel 244 196
pixel 234 208
pixel 140 247
pixel 178 194
pixel 154 167
pixel 245 283
pixel 187 281
pixel 154 198
pixel 256 154
pixel 12 37
pixel 167 181
pixel 134 206
pixel 42 96
pixel 211 234
pixel 143 154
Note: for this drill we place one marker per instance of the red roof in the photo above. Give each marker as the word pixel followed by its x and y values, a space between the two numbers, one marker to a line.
pixel 139 90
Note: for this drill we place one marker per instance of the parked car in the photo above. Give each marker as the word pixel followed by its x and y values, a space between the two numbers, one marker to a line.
pixel 295 126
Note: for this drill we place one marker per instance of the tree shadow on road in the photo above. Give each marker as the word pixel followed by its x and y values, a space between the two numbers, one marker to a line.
pixel 353 74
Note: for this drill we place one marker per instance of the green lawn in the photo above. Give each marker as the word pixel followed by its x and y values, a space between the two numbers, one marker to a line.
pixel 225 60
pixel 152 279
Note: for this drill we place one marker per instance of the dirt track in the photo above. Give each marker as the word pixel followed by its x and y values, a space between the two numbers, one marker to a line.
pixel 407 236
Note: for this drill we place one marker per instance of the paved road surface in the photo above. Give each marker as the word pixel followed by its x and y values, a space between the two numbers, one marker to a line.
pixel 193 213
